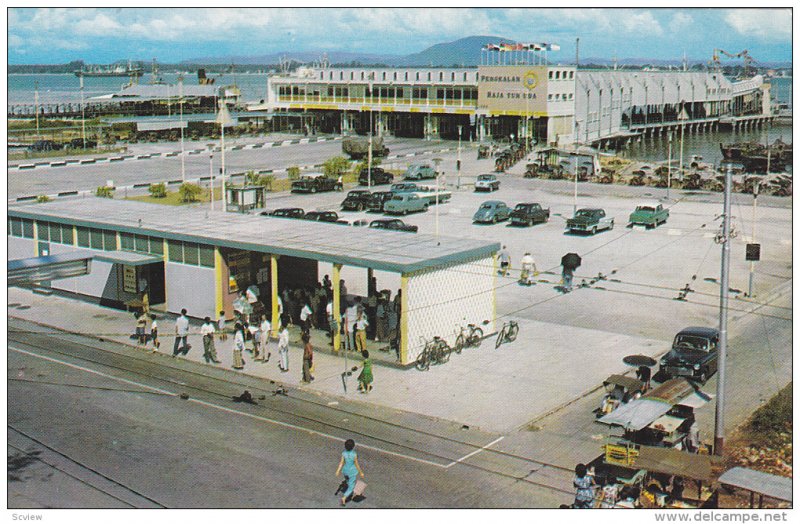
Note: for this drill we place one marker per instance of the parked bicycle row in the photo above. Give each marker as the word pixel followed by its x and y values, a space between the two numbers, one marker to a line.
pixel 437 351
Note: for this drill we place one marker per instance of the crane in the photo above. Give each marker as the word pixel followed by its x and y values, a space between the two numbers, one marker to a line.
pixel 744 55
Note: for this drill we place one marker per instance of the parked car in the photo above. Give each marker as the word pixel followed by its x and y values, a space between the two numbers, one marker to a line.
pixel 45 145
pixel 356 200
pixel 529 213
pixel 693 355
pixel 376 176
pixel 355 222
pixel 286 212
pixel 590 220
pixel 405 203
pixel 405 187
pixel 378 199
pixel 314 183
pixel 395 224
pixel 322 216
pixel 491 212
pixel 648 214
pixel 487 183
pixel 419 172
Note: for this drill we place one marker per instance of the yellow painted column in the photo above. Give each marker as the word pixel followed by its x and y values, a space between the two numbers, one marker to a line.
pixel 404 319
pixel 219 284
pixel 118 238
pixel 36 238
pixel 74 235
pixel 273 280
pixel 166 259
pixel 337 336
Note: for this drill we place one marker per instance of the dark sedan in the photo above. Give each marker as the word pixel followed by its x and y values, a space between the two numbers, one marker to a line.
pixel 393 224
pixel 375 176
pixel 693 355
pixel 356 200
pixel 377 199
pixel 286 212
pixel 322 216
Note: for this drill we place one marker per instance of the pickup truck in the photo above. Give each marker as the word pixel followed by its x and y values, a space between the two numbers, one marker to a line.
pixel 527 214
pixel 693 355
pixel 405 203
pixel 356 200
pixel 648 214
pixel 589 220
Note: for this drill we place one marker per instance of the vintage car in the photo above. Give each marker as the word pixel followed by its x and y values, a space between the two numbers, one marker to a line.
pixel 693 355
pixel 405 203
pixel 314 183
pixel 487 183
pixel 375 176
pixel 285 212
pixel 378 199
pixel 529 213
pixel 405 187
pixel 491 212
pixel 648 214
pixel 589 220
pixel 395 224
pixel 356 200
pixel 322 216
pixel 354 222
pixel 419 172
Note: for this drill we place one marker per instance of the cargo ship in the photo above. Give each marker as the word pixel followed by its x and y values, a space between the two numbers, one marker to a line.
pixel 109 71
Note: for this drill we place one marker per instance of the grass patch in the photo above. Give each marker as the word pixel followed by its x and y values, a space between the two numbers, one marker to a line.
pixel 769 422
pixel 173 198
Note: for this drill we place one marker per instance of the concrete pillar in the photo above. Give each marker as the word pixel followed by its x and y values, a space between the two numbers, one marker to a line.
pixel 219 284
pixel 337 336
pixel 273 280
pixel 404 319
pixel 36 238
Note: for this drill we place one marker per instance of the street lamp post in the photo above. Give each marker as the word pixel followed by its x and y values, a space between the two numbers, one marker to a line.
pixel 669 164
pixel 458 161
pixel 36 105
pixel 719 425
pixel 180 102
pixel 211 174
pixel 83 117
pixel 369 154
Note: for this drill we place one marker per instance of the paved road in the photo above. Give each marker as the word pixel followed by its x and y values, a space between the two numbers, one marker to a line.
pixel 102 416
pixel 50 180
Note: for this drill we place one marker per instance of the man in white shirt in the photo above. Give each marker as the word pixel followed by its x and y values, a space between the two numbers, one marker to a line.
pixel 209 351
pixel 264 331
pixel 351 315
pixel 305 318
pixel 528 266
pixel 361 324
pixel 181 334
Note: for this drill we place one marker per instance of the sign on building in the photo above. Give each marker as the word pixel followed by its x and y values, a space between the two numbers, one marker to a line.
pixel 513 90
pixel 129 279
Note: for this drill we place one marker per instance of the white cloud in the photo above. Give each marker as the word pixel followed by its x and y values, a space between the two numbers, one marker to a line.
pixel 680 22
pixel 639 23
pixel 768 24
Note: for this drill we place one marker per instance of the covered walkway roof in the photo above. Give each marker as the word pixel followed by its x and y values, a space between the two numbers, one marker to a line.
pixel 391 251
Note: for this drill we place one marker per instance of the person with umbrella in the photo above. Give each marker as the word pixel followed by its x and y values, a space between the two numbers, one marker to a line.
pixel 569 263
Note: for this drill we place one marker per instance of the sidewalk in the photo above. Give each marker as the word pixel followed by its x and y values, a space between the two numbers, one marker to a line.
pixel 493 389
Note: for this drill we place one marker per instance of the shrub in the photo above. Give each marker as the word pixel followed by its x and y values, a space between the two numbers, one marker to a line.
pixel 335 166
pixel 104 192
pixel 266 181
pixel 189 192
pixel 158 190
pixel 293 173
pixel 43 198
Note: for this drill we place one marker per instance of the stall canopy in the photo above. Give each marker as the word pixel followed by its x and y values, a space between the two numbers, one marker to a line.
pixel 772 486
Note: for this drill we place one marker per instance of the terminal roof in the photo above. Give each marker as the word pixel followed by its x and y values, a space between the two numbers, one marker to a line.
pixel 393 251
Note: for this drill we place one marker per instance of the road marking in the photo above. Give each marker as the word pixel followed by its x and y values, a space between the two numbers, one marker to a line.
pixel 468 455
pixel 255 417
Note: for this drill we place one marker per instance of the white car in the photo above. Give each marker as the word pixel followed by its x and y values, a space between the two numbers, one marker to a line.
pixel 487 183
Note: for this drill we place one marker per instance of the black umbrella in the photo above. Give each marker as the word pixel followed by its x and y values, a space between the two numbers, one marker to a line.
pixel 571 261
pixel 639 360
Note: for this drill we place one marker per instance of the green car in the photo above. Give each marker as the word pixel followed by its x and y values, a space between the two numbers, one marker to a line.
pixel 649 214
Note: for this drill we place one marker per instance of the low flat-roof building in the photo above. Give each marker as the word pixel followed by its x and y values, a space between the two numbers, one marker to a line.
pixel 188 257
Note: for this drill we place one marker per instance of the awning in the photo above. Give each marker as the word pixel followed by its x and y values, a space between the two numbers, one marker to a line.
pixel 28 271
pixel 128 258
pixel 671 461
pixel 667 423
pixel 629 383
pixel 772 486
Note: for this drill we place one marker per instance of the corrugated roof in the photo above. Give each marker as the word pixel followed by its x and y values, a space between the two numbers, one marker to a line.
pixel 641 412
pixel 772 486
pixel 384 250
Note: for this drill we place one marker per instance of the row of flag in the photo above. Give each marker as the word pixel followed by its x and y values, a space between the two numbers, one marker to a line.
pixel 522 47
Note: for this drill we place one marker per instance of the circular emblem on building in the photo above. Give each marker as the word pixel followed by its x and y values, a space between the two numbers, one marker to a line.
pixel 530 80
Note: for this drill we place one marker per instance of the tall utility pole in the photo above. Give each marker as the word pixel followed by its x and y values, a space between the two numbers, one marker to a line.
pixel 458 161
pixel 183 159
pixel 83 116
pixel 36 105
pixel 753 240
pixel 719 422
pixel 211 175
pixel 369 154
pixel 669 163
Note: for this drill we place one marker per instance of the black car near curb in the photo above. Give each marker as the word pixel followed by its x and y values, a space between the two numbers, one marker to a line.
pixel 393 224
pixel 285 212
pixel 693 355
pixel 356 200
pixel 376 177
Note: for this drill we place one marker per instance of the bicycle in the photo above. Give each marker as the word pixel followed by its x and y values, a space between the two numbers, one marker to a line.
pixel 435 351
pixel 507 334
pixel 469 336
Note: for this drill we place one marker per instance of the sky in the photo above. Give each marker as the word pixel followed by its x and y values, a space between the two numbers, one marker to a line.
pixel 103 35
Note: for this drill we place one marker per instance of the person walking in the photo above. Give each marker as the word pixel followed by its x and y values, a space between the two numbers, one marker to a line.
pixel 584 486
pixel 360 326
pixel 238 346
pixel 221 328
pixel 154 333
pixel 365 377
pixel 380 319
pixel 283 348
pixel 264 331
pixel 209 351
pixel 141 328
pixel 505 261
pixel 308 358
pixel 181 335
pixel 350 316
pixel 333 325
pixel 393 321
pixel 528 270
pixel 569 263
pixel 349 467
